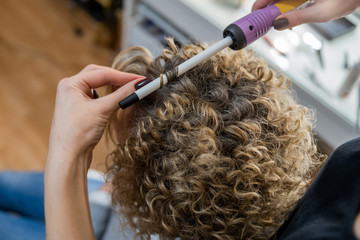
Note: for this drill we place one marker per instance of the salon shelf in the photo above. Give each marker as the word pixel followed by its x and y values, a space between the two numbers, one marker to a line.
pixel 205 19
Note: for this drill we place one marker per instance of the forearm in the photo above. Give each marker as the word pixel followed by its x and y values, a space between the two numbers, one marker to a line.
pixel 66 200
pixel 78 124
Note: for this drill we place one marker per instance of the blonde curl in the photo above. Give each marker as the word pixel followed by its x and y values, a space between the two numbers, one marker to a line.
pixel 222 152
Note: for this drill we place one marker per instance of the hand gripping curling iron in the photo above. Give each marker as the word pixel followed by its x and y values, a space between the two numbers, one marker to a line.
pixel 237 35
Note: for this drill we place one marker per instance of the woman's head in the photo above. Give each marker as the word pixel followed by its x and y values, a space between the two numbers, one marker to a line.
pixel 221 152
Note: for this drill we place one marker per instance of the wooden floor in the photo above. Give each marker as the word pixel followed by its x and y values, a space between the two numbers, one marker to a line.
pixel 38 48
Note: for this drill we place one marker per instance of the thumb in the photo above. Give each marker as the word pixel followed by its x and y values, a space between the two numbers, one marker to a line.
pixel 110 103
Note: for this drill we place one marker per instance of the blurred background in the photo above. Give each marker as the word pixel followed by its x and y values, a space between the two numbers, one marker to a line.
pixel 43 41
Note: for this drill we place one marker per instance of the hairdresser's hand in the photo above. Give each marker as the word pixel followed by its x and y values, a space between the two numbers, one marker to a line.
pixel 79 120
pixel 319 11
pixel 78 123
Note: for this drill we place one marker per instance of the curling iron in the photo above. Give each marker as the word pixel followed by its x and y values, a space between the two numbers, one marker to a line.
pixel 237 35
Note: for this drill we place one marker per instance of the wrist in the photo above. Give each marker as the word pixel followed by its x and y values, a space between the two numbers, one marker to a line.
pixel 66 197
pixel 68 162
pixel 67 148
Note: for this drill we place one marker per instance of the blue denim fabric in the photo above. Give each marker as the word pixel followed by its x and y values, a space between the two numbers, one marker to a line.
pixel 22 193
pixel 17 227
pixel 22 204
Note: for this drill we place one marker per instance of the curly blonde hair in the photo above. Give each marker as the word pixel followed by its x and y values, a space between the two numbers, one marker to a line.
pixel 221 152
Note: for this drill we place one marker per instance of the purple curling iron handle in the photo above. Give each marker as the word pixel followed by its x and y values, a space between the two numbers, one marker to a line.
pixel 251 27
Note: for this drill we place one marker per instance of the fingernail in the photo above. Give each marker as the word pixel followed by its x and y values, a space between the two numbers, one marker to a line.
pixel 142 83
pixel 95 94
pixel 281 23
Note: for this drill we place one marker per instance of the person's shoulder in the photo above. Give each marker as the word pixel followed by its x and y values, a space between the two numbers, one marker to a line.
pixel 348 151
pixel 344 162
pixel 331 201
pixel 354 143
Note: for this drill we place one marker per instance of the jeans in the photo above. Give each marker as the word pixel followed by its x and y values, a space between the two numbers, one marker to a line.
pixel 22 204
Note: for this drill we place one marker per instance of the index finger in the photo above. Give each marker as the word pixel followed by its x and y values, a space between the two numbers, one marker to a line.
pixel 107 76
